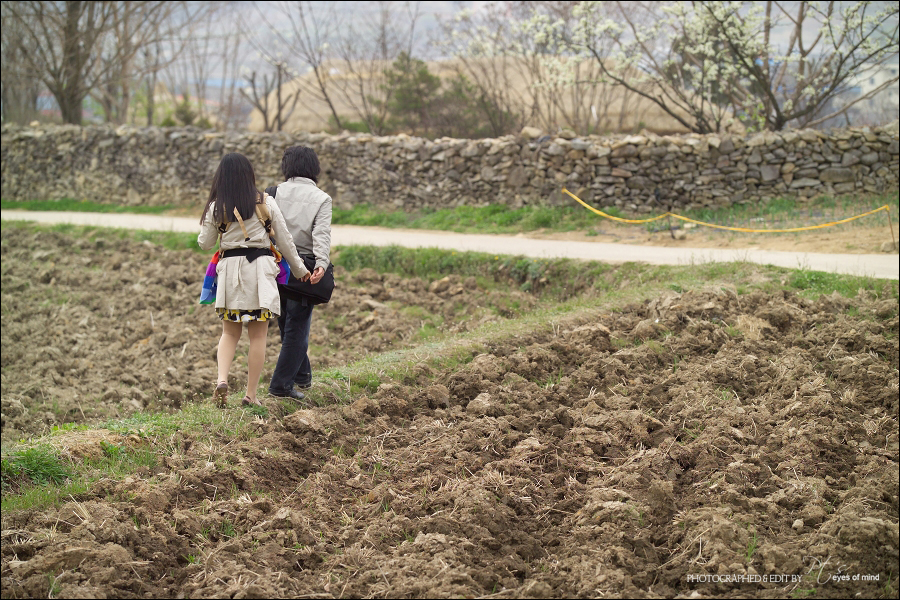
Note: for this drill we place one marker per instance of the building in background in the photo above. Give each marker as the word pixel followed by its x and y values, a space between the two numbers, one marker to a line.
pixel 880 109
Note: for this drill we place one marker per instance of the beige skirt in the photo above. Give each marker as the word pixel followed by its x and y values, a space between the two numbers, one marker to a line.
pixel 244 285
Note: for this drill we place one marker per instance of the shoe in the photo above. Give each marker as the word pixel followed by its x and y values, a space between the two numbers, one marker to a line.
pixel 293 394
pixel 304 386
pixel 220 396
pixel 248 402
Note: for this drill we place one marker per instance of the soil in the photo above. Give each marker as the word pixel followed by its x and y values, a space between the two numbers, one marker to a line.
pixel 664 449
pixel 99 331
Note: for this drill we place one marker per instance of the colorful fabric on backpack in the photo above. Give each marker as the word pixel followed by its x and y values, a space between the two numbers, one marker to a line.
pixel 284 269
pixel 210 282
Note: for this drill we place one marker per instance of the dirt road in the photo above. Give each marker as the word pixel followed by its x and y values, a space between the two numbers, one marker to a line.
pixel 882 266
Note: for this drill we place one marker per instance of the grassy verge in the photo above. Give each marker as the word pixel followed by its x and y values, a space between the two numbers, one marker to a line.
pixel 172 240
pixel 73 205
pixel 783 213
pixel 557 278
pixel 43 472
pixel 777 213
pixel 494 218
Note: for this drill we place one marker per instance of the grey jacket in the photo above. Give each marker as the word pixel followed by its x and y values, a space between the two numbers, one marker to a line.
pixel 307 213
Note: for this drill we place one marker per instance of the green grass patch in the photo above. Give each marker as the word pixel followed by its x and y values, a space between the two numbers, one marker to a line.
pixel 493 218
pixel 777 213
pixel 35 475
pixel 103 236
pixel 558 278
pixel 202 419
pixel 427 331
pixel 38 464
pixel 814 283
pixel 73 205
pixel 258 411
pixel 788 212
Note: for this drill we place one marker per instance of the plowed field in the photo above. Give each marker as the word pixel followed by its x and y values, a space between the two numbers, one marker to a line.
pixel 698 443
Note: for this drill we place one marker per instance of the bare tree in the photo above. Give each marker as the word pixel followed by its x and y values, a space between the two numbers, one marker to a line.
pixel 261 95
pixel 103 49
pixel 137 28
pixel 198 52
pixel 19 89
pixel 60 44
pixel 229 112
pixel 365 53
pixel 311 28
pixel 150 55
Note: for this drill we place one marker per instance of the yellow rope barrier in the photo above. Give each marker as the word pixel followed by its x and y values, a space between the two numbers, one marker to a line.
pixel 608 216
pixel 742 229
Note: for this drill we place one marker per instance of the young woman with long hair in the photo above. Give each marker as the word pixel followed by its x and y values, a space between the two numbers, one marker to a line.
pixel 242 219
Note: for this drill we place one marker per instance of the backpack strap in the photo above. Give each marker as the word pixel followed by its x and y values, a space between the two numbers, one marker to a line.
pixel 240 221
pixel 262 213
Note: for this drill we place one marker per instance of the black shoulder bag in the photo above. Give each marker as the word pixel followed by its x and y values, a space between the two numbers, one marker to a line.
pixel 294 289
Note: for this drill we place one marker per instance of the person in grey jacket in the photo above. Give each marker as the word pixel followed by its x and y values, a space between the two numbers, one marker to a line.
pixel 307 213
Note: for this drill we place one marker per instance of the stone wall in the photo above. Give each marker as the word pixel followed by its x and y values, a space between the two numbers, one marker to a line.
pixel 156 166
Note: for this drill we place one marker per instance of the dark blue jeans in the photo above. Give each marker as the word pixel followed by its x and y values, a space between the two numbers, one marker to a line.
pixel 293 361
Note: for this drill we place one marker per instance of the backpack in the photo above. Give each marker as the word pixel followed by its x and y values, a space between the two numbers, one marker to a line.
pixel 210 282
pixel 262 213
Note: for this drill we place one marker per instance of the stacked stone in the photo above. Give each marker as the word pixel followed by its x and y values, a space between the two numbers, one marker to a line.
pixel 154 166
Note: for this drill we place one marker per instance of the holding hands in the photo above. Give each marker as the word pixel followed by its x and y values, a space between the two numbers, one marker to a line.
pixel 315 276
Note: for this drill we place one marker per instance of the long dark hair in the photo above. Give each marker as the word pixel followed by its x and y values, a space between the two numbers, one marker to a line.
pixel 300 161
pixel 233 186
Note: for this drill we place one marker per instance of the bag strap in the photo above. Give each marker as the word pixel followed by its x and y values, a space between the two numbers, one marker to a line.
pixel 241 223
pixel 262 213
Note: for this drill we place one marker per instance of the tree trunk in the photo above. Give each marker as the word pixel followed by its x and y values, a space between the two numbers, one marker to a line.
pixel 151 83
pixel 151 101
pixel 337 119
pixel 70 95
pixel 279 123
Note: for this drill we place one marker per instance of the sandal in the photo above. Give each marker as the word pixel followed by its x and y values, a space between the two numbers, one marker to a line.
pixel 220 396
pixel 248 402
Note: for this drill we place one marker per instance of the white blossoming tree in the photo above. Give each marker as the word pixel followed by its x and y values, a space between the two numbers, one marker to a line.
pixel 532 78
pixel 709 63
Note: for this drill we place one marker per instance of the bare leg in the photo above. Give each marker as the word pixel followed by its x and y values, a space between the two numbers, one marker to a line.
pixel 231 333
pixel 257 355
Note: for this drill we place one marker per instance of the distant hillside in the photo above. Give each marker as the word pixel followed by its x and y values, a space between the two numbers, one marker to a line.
pixel 588 108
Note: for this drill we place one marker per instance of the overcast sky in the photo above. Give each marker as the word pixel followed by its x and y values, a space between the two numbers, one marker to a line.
pixel 360 13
